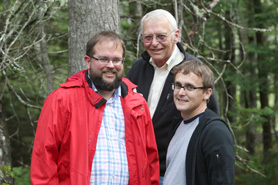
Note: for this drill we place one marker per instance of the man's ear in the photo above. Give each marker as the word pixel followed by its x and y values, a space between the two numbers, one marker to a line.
pixel 87 60
pixel 177 33
pixel 207 94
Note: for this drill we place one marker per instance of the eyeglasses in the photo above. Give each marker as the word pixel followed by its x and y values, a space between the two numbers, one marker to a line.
pixel 159 37
pixel 106 60
pixel 178 87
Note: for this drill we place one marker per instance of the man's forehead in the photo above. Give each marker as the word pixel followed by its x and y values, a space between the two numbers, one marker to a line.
pixel 108 44
pixel 189 77
pixel 156 25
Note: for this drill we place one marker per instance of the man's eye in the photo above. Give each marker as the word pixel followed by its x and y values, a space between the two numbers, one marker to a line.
pixel 116 59
pixel 161 36
pixel 149 37
pixel 178 86
pixel 104 59
pixel 190 88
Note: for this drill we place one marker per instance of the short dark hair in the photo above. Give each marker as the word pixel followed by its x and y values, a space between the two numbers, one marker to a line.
pixel 100 36
pixel 198 68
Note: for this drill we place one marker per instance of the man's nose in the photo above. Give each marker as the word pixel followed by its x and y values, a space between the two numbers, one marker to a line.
pixel 110 64
pixel 182 91
pixel 154 41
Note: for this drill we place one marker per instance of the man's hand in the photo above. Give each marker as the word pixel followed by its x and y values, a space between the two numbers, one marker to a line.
pixel 135 91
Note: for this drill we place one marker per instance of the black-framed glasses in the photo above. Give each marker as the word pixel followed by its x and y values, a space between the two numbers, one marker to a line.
pixel 178 87
pixel 159 37
pixel 106 60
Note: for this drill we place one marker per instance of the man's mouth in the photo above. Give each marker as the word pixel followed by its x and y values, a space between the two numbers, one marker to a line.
pixel 182 100
pixel 156 50
pixel 109 74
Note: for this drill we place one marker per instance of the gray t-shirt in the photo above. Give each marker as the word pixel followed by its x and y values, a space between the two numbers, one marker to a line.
pixel 176 153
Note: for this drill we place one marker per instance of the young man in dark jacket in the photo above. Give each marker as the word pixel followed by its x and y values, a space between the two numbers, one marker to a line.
pixel 152 74
pixel 201 148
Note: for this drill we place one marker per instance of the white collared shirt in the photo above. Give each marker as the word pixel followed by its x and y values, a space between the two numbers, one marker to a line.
pixel 160 75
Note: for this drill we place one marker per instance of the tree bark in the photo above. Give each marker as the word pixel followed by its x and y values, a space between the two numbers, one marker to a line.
pixel 264 84
pixel 248 92
pixel 250 102
pixel 229 45
pixel 136 12
pixel 86 18
pixel 42 53
pixel 180 21
pixel 5 152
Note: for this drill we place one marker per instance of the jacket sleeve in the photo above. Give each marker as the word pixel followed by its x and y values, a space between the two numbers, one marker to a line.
pixel 49 133
pixel 218 153
pixel 152 152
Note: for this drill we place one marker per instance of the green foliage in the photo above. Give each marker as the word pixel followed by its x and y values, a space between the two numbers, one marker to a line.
pixel 7 170
pixel 249 117
pixel 21 175
pixel 28 78
pixel 269 171
pixel 258 171
pixel 5 173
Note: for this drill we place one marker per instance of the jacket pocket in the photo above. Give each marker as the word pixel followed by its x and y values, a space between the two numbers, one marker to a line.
pixel 139 126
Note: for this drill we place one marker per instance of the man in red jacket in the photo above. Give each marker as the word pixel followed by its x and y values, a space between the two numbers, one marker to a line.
pixel 95 129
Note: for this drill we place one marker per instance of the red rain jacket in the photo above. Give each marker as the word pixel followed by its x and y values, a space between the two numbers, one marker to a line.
pixel 67 132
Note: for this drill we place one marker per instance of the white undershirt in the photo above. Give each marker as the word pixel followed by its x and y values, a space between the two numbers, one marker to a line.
pixel 160 75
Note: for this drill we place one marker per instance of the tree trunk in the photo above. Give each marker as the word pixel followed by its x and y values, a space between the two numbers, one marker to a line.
pixel 42 54
pixel 275 105
pixel 248 94
pixel 250 102
pixel 180 21
pixel 264 85
pixel 5 152
pixel 229 45
pixel 85 19
pixel 136 12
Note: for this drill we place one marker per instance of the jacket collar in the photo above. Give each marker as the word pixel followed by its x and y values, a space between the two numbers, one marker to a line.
pixel 81 79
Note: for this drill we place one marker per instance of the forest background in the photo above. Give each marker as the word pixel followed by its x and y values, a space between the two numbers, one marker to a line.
pixel 42 43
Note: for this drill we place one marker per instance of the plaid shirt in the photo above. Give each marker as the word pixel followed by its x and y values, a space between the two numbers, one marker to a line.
pixel 110 160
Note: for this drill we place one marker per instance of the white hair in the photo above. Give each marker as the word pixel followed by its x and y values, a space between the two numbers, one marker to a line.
pixel 157 14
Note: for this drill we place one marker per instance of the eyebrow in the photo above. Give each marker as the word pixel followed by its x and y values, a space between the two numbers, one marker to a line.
pixel 186 84
pixel 155 34
pixel 108 57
